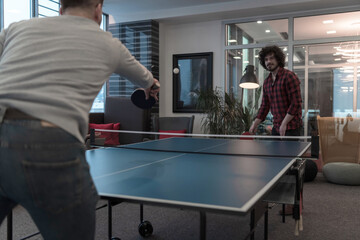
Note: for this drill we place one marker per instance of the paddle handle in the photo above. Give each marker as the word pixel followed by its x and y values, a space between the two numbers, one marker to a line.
pixel 155 86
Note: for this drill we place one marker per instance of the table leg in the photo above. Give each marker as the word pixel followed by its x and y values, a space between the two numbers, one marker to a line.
pixel 10 226
pixel 252 225
pixel 141 213
pixel 109 220
pixel 283 213
pixel 202 225
pixel 266 218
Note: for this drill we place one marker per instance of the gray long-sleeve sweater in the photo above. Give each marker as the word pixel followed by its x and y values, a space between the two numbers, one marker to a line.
pixel 53 68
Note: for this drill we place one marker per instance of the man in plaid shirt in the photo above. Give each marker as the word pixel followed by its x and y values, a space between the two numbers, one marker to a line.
pixel 281 95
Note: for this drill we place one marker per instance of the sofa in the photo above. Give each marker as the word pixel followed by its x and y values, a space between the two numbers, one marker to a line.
pixel 131 118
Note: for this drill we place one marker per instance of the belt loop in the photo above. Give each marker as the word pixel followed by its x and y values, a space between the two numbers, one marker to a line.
pixel 2 113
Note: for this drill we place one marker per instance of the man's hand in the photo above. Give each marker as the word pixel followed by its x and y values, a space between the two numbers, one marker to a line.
pixel 282 129
pixel 153 90
pixel 284 123
pixel 254 126
pixel 253 129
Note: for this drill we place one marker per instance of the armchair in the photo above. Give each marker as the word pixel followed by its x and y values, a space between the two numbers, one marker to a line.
pixel 173 124
pixel 340 146
pixel 122 110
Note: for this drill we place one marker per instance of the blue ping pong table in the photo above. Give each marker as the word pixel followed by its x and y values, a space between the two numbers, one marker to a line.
pixel 220 175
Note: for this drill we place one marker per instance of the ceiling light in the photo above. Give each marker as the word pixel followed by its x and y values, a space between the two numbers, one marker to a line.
pixel 328 21
pixel 353 60
pixel 267 30
pixel 232 40
pixel 237 57
pixel 349 50
pixel 337 59
pixel 348 67
pixel 331 32
pixel 259 22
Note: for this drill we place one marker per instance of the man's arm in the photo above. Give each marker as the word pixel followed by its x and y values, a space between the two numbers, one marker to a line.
pixel 284 124
pixel 254 126
pixel 294 94
pixel 263 111
pixel 2 41
pixel 130 68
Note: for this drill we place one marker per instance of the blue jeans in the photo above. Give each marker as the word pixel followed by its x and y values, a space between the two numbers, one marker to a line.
pixel 44 170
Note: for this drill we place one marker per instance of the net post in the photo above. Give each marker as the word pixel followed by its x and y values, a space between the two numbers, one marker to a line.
pixel 92 136
pixel 315 146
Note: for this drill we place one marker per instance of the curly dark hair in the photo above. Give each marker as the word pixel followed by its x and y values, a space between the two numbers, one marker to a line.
pixel 278 54
pixel 79 3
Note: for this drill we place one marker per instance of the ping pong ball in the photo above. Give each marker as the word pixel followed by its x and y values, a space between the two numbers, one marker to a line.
pixel 176 70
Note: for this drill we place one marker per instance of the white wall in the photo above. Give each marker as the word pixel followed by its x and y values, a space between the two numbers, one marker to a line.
pixel 188 38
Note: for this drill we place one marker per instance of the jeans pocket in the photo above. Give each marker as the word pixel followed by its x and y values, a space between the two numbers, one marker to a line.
pixel 55 186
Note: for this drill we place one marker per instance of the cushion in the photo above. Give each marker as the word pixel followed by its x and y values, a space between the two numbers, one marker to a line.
pixel 246 133
pixel 342 173
pixel 171 131
pixel 110 138
pixel 115 136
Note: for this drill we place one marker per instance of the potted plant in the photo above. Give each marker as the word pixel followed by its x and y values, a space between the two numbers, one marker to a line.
pixel 225 114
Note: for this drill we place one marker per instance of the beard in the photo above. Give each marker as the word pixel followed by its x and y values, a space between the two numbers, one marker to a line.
pixel 272 67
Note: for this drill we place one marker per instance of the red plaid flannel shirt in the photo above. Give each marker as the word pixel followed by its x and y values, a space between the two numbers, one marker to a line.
pixel 282 97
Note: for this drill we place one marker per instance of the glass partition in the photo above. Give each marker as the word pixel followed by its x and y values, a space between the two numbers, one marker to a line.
pixel 325 57
pixel 48 8
pixel 237 60
pixel 257 32
pixel 332 78
pixel 327 26
pixel 16 10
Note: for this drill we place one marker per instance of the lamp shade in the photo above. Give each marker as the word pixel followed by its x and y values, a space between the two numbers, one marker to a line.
pixel 249 79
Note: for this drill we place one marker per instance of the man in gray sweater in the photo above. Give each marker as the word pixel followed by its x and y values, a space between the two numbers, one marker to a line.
pixel 51 69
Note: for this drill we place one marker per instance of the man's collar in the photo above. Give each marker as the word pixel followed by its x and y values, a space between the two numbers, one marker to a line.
pixel 280 70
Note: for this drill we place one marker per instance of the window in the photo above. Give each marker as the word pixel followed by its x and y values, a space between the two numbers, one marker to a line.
pixel 257 32
pixel 327 26
pixel 142 40
pixel 325 57
pixel 48 8
pixel 16 10
pixel 99 102
pixel 237 60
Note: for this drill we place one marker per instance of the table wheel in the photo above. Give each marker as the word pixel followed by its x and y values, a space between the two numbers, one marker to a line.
pixel 145 229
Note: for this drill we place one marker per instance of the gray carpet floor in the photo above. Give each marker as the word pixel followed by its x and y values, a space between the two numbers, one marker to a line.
pixel 330 212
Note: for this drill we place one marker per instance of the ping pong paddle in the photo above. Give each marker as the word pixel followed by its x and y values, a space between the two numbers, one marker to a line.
pixel 138 98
